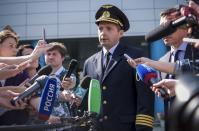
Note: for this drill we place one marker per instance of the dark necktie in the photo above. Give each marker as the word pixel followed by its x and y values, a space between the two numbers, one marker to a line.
pixel 176 57
pixel 107 56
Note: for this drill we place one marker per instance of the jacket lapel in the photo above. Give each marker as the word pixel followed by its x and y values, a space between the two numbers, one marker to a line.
pixel 98 65
pixel 117 56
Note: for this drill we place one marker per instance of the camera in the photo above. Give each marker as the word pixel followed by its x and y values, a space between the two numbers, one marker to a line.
pixel 184 113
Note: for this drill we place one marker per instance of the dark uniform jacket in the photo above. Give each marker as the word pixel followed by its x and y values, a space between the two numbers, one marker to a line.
pixel 127 104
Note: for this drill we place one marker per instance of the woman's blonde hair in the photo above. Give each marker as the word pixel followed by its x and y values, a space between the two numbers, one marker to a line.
pixel 7 34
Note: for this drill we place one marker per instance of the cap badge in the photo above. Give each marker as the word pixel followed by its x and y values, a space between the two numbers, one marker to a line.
pixel 106 14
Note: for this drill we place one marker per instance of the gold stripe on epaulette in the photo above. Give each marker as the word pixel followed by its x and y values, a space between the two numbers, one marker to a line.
pixel 146 119
pixel 144 116
pixel 145 124
pixel 143 121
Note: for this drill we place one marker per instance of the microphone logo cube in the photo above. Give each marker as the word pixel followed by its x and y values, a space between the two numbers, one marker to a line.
pixel 47 99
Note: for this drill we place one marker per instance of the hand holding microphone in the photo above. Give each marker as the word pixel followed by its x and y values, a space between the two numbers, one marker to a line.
pixel 68 82
pixel 142 60
pixel 77 96
pixel 167 84
pixel 161 66
pixel 131 61
pixel 94 105
pixel 6 96
pixel 32 85
pixel 149 76
pixel 39 83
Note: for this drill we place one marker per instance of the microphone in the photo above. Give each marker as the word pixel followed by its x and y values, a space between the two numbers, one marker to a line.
pixel 94 97
pixel 94 105
pixel 39 83
pixel 47 99
pixel 71 68
pixel 169 28
pixel 46 70
pixel 83 87
pixel 149 76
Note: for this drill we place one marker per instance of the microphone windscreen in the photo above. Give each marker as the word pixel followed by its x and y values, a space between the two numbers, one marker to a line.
pixel 38 84
pixel 160 32
pixel 47 99
pixel 85 82
pixel 83 86
pixel 71 68
pixel 46 70
pixel 94 97
pixel 145 73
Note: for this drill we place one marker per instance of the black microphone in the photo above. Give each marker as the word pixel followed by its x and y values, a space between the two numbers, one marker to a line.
pixel 46 70
pixel 72 65
pixel 83 87
pixel 39 83
pixel 71 68
pixel 169 28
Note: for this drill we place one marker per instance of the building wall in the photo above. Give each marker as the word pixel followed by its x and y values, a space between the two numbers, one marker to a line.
pixel 75 18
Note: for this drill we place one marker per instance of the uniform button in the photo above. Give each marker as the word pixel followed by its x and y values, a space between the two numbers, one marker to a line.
pixel 100 120
pixel 105 117
pixel 104 87
pixel 104 102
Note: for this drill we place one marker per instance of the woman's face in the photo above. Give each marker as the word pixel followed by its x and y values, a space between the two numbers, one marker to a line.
pixel 8 47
